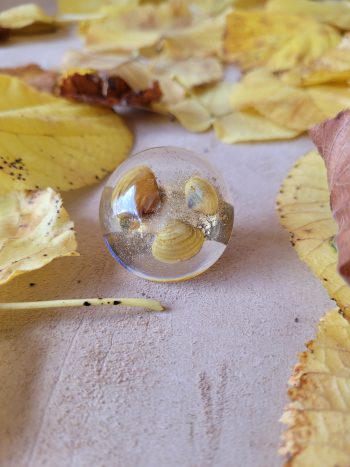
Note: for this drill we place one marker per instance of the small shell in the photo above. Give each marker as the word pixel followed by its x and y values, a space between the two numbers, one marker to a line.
pixel 201 196
pixel 176 242
pixel 136 193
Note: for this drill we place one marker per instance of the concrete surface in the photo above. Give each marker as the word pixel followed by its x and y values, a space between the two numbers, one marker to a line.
pixel 200 386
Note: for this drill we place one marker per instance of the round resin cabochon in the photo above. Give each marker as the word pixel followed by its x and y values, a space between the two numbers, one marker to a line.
pixel 166 214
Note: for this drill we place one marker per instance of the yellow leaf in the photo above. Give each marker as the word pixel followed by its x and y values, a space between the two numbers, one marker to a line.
pixel 192 72
pixel 182 29
pixel 334 12
pixel 276 41
pixel 210 7
pixel 303 207
pixel 78 7
pixel 34 230
pixel 240 127
pixel 249 4
pixel 330 99
pixel 130 28
pixel 283 104
pixel 318 416
pixel 289 106
pixel 49 141
pixel 191 114
pixel 215 98
pixel 82 59
pixel 27 19
pixel 201 39
pixel 331 67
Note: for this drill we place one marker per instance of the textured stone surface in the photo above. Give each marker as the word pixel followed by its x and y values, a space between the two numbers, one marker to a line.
pixel 202 385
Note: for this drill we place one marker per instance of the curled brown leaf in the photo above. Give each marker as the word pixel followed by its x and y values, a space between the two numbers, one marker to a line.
pixel 332 139
pixel 4 33
pixel 106 90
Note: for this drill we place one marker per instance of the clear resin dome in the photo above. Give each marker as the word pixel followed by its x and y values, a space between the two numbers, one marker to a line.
pixel 166 215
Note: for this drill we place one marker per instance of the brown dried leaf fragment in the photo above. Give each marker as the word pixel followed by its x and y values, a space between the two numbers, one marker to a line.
pixel 318 416
pixel 34 75
pixel 4 34
pixel 108 90
pixel 332 139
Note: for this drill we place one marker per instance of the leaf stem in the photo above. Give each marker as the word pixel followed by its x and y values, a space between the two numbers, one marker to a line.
pixel 153 305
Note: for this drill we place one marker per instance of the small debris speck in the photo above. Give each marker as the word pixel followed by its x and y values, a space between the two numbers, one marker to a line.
pixel 32 284
pixel 86 303
pixel 296 320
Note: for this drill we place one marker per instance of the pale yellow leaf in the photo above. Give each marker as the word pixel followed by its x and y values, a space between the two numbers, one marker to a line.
pixel 201 39
pixel 191 114
pixel 27 19
pixel 190 72
pixel 286 105
pixel 318 416
pixel 241 127
pixel 182 29
pixel 331 67
pixel 89 60
pixel 34 230
pixel 303 207
pixel 216 98
pixel 76 7
pixel 334 12
pixel 129 28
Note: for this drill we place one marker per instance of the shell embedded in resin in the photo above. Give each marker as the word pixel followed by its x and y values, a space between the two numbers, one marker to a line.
pixel 176 242
pixel 201 196
pixel 136 194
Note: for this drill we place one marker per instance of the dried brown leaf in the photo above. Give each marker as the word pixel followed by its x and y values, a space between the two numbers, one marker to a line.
pixel 34 75
pixel 108 90
pixel 332 139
